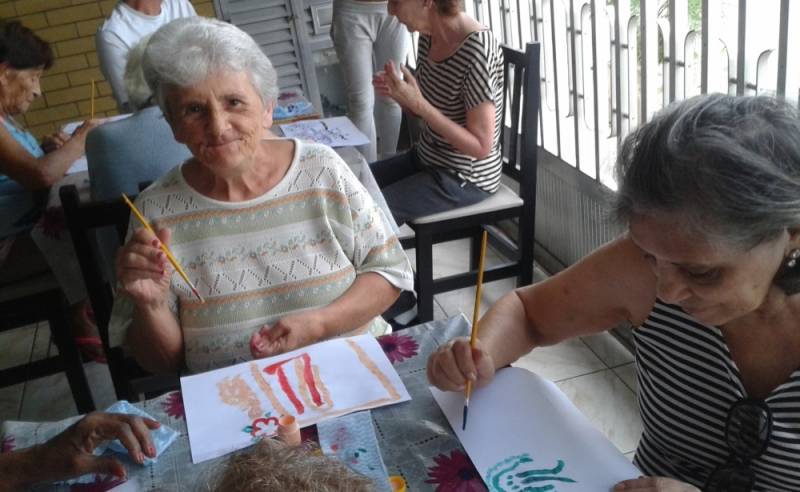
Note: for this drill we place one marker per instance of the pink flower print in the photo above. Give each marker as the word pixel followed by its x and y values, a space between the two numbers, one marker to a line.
pixel 9 443
pixel 53 223
pixel 173 405
pixel 398 347
pixel 101 483
pixel 455 473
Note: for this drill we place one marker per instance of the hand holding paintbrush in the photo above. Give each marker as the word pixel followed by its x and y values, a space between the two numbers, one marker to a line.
pixel 144 263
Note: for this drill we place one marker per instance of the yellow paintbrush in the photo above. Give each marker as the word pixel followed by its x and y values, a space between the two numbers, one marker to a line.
pixel 164 248
pixel 475 312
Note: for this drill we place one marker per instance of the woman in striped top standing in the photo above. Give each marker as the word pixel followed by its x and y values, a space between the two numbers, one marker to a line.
pixel 709 276
pixel 458 95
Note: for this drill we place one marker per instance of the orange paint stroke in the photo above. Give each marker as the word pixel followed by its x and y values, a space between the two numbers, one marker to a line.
pixel 310 385
pixel 326 394
pixel 236 392
pixel 371 367
pixel 267 389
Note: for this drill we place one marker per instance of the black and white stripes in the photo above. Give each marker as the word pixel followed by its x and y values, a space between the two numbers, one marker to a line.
pixel 467 78
pixel 687 383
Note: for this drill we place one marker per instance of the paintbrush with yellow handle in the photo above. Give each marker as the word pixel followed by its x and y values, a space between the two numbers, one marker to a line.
pixel 163 247
pixel 475 313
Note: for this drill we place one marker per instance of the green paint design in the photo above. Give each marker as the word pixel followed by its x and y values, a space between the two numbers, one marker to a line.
pixel 526 480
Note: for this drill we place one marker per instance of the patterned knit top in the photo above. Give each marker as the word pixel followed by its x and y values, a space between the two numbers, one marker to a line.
pixel 470 76
pixel 297 247
pixel 687 383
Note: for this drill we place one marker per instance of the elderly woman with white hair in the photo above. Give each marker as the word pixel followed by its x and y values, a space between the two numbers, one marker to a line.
pixel 282 241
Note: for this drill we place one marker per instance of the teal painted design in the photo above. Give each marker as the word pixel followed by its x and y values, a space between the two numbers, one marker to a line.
pixel 514 474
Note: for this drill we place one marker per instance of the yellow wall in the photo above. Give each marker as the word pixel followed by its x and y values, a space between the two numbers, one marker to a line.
pixel 69 26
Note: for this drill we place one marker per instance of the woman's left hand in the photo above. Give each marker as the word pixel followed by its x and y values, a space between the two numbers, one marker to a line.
pixel 404 91
pixel 54 141
pixel 655 484
pixel 288 333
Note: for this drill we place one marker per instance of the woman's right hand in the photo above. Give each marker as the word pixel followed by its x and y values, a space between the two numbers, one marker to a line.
pixel 452 364
pixel 143 269
pixel 82 131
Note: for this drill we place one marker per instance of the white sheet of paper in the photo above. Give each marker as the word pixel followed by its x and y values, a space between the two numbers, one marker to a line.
pixel 230 408
pixel 523 431
pixel 333 132
pixel 73 125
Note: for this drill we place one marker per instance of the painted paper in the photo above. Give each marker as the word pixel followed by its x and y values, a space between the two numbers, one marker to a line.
pixel 523 433
pixel 230 408
pixel 333 132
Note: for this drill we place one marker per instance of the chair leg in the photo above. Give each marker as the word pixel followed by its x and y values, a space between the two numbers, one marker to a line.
pixel 475 249
pixel 424 277
pixel 526 239
pixel 71 357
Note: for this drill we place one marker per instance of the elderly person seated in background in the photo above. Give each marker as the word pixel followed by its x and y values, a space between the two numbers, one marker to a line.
pixel 708 275
pixel 122 154
pixel 278 235
pixel 458 95
pixel 28 169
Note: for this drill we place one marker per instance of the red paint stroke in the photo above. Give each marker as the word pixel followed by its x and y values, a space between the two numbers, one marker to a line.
pixel 308 376
pixel 266 421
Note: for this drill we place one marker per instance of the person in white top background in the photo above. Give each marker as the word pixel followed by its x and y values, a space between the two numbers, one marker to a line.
pixel 130 21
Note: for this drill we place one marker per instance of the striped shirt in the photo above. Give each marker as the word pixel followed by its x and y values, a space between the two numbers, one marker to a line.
pixel 470 76
pixel 297 247
pixel 687 383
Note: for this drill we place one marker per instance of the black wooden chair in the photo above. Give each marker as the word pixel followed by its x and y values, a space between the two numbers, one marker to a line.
pixel 88 224
pixel 41 299
pixel 521 77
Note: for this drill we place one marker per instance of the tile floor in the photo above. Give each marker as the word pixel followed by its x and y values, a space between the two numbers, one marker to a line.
pixel 596 372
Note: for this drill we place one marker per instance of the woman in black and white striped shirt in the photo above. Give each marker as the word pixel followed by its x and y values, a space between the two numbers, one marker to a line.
pixel 709 275
pixel 458 95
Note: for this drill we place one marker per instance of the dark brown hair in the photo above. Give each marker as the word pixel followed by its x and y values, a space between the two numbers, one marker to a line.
pixel 22 49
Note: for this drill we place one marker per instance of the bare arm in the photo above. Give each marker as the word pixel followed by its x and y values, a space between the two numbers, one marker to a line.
pixel 43 172
pixel 69 454
pixel 612 285
pixel 474 140
pixel 368 296
pixel 154 337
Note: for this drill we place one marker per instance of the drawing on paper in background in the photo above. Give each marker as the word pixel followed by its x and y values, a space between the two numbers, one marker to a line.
pixel 525 435
pixel 517 473
pixel 312 384
pixel 333 132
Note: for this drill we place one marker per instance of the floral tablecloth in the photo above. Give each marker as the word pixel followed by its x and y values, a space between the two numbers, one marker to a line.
pixel 414 437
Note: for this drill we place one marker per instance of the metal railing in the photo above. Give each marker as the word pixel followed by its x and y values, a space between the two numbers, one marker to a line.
pixel 608 66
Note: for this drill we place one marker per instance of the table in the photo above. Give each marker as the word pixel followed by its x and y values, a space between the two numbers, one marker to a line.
pixel 415 439
pixel 52 237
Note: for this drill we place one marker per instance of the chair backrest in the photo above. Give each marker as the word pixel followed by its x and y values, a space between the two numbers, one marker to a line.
pixel 87 222
pixel 121 154
pixel 521 76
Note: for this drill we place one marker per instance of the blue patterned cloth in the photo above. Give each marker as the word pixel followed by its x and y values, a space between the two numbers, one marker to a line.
pixel 351 438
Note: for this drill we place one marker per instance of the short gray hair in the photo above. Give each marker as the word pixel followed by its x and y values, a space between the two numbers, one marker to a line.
pixel 186 51
pixel 139 93
pixel 273 466
pixel 729 165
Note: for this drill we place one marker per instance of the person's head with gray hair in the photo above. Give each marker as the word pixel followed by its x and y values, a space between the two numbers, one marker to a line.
pixel 139 93
pixel 728 166
pixel 273 466
pixel 186 51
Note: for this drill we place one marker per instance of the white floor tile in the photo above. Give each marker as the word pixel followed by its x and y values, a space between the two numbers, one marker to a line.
pixel 10 402
pixel 48 398
pixel 608 349
pixel 609 404
pixel 628 375
pixel 463 300
pixel 566 360
pixel 16 346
